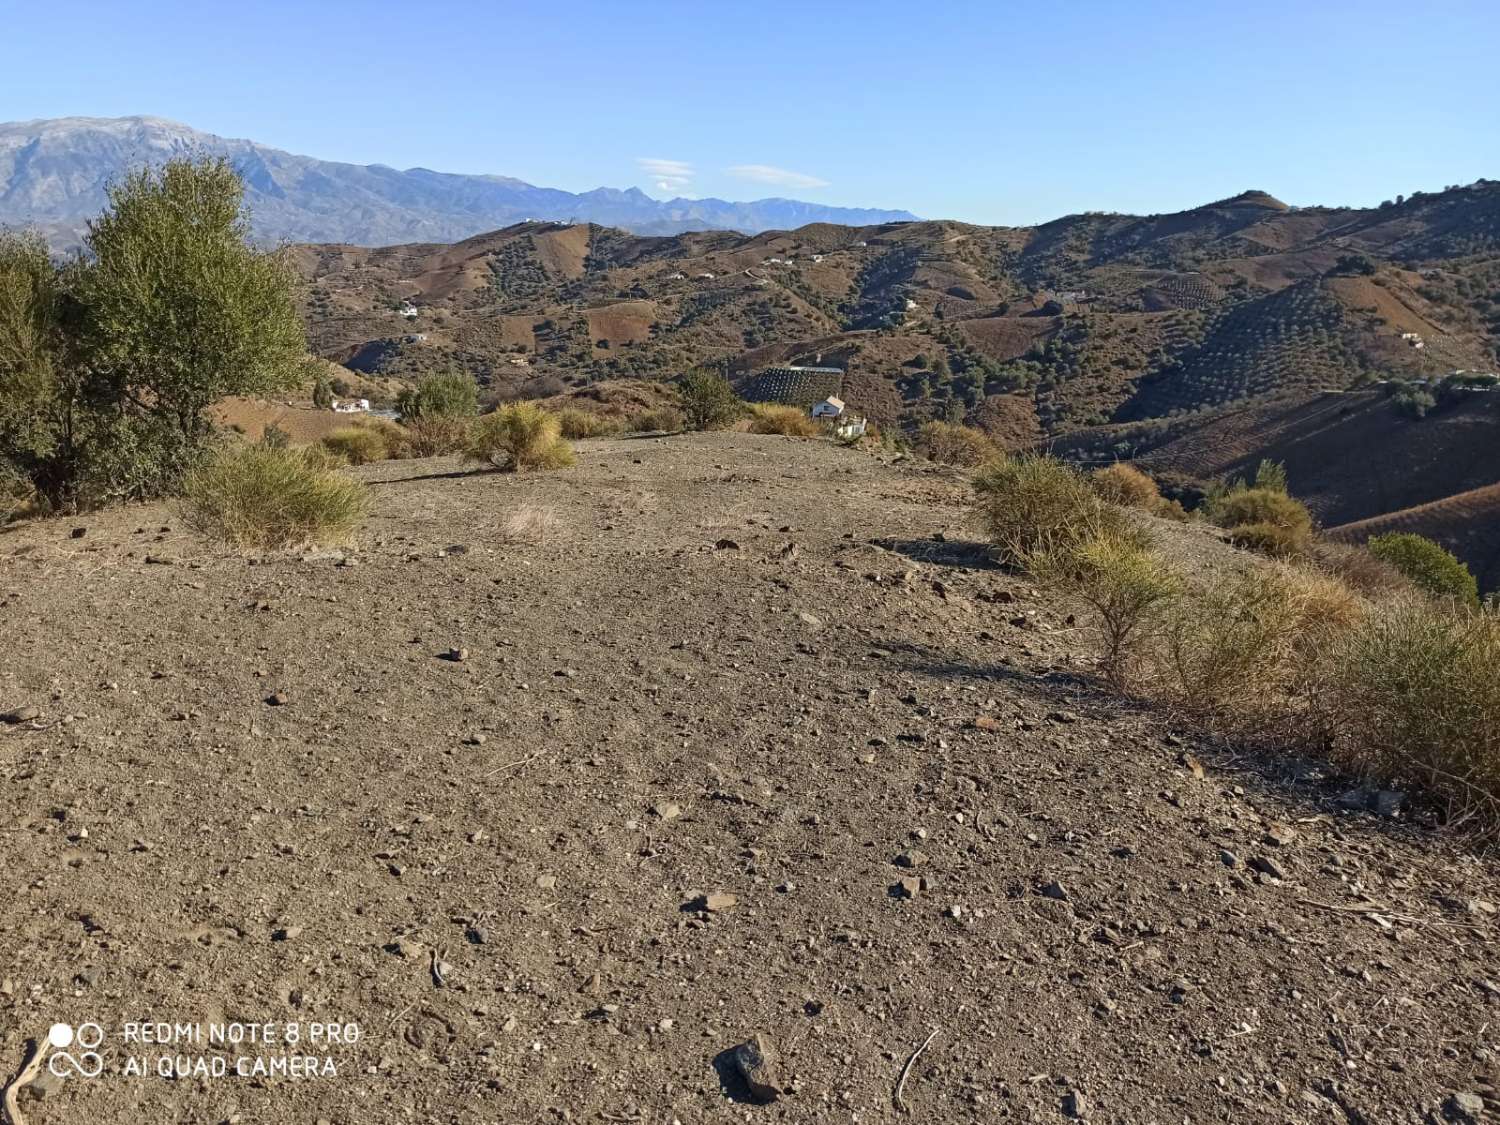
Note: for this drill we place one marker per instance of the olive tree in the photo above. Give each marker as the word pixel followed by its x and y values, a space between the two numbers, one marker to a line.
pixel 108 364
pixel 180 309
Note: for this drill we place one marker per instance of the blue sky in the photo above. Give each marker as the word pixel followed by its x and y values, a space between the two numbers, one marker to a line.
pixel 994 112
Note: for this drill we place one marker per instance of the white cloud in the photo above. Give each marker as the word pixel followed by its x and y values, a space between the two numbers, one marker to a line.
pixel 779 177
pixel 670 175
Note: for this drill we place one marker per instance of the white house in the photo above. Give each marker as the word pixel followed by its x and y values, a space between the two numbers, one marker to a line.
pixel 850 428
pixel 351 406
pixel 408 310
pixel 830 407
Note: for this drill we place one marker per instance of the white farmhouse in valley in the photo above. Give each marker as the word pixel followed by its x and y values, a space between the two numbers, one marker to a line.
pixel 830 407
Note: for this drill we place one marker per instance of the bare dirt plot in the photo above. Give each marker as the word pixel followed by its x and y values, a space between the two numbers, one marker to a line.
pixel 735 665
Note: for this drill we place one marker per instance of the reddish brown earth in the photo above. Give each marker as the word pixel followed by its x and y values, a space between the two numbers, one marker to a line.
pixel 719 664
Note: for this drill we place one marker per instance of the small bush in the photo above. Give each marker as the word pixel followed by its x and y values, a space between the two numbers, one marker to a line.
pixel 660 419
pixel 1036 506
pixel 708 401
pixel 17 497
pixel 1268 539
pixel 1260 505
pixel 1358 568
pixel 1123 588
pixel 274 437
pixel 1127 486
pixel 357 445
pixel 1416 702
pixel 951 444
pixel 578 424
pixel 1264 519
pixel 254 496
pixel 439 396
pixel 1429 566
pixel 1243 651
pixel 520 438
pixel 789 421
pixel 396 438
pixel 438 435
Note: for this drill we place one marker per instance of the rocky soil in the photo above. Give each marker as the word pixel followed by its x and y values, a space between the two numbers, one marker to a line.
pixel 564 787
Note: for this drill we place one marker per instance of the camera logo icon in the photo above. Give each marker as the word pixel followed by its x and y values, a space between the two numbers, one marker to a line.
pixel 87 1063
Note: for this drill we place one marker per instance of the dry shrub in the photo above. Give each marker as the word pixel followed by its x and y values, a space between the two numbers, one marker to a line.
pixel 519 438
pixel 1268 539
pixel 438 435
pixel 1358 568
pixel 660 419
pixel 1035 507
pixel 1264 519
pixel 1415 701
pixel 396 437
pixel 257 496
pixel 951 444
pixel 358 445
pixel 1124 590
pixel 788 421
pixel 1247 651
pixel 578 424
pixel 1127 486
pixel 530 523
pixel 17 497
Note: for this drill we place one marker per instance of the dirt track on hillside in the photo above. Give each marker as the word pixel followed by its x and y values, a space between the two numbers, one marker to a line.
pixel 737 666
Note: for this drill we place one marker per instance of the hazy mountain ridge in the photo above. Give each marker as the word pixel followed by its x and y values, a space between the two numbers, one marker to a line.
pixel 53 175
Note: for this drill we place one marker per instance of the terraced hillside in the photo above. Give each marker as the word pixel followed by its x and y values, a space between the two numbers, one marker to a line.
pixel 1363 465
pixel 1090 319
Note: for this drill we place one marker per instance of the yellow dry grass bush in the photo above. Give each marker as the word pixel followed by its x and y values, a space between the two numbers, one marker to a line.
pixel 789 421
pixel 519 438
pixel 258 496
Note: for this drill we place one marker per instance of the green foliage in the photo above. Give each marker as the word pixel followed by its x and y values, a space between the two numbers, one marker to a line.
pixel 1263 508
pixel 1428 565
pixel 256 496
pixel 1270 476
pixel 322 392
pixel 108 365
pixel 180 310
pixel 518 438
pixel 1413 402
pixel 274 437
pixel 439 396
pixel 708 401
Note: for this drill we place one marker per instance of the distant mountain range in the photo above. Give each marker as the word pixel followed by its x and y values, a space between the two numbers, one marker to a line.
pixel 53 174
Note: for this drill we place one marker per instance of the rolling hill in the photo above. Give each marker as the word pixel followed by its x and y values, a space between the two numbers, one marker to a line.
pixel 1092 319
pixel 1202 340
pixel 53 174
